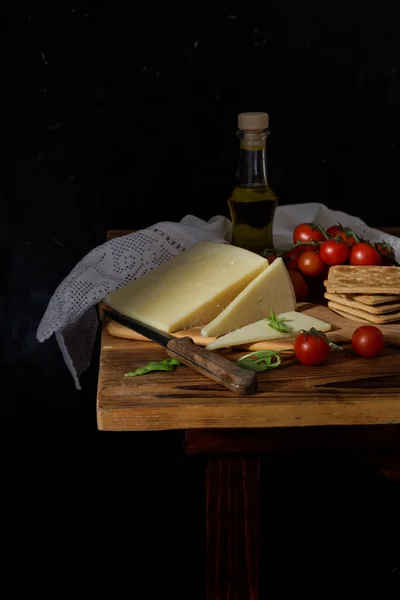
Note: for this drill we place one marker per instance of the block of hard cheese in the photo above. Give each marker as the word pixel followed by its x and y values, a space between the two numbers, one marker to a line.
pixel 272 289
pixel 260 330
pixel 191 289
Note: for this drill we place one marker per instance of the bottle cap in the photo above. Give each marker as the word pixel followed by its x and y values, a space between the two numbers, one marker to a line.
pixel 253 121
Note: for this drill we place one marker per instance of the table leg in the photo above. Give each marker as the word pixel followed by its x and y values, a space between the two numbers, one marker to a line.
pixel 233 528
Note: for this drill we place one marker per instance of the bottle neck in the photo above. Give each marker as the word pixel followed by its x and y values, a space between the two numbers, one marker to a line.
pixel 253 159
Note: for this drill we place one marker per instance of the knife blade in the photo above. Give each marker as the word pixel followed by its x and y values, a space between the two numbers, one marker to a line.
pixel 206 362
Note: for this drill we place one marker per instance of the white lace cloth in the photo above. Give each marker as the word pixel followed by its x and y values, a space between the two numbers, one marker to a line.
pixel 71 313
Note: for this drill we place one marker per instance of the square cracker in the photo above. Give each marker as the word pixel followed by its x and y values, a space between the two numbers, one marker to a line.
pixel 377 309
pixel 362 314
pixel 371 300
pixel 350 317
pixel 349 279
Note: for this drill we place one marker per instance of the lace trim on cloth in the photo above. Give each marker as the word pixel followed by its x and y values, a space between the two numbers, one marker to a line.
pixel 72 314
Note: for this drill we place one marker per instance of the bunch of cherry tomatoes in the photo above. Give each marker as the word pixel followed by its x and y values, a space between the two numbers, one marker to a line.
pixel 315 249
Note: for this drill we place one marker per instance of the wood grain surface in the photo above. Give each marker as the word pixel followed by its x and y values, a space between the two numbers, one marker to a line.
pixel 213 366
pixel 232 528
pixel 347 390
pixel 350 439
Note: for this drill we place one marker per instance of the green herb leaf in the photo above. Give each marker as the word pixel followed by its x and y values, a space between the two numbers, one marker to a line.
pixel 278 324
pixel 261 360
pixel 168 364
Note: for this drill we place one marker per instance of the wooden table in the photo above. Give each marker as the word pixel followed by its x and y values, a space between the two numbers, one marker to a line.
pixel 340 408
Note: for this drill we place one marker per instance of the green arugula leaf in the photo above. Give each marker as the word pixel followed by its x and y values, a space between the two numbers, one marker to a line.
pixel 277 323
pixel 261 360
pixel 168 364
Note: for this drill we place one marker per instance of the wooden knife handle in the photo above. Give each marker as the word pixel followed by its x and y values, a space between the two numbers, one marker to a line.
pixel 213 366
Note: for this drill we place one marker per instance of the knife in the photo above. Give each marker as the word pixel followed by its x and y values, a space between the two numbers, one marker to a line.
pixel 203 361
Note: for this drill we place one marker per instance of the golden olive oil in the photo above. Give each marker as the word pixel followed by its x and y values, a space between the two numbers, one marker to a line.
pixel 252 212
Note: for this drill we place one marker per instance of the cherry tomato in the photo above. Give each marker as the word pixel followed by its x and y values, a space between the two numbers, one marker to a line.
pixel 334 230
pixel 334 253
pixel 310 263
pixel 306 232
pixel 291 257
pixel 384 250
pixel 311 349
pixel 349 239
pixel 364 254
pixel 300 285
pixel 270 258
pixel 337 231
pixel 367 341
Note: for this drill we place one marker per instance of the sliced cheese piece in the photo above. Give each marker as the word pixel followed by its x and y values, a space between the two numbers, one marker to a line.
pixel 190 289
pixel 272 289
pixel 261 331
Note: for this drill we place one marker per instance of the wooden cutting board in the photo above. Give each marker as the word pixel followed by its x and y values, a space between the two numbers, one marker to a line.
pixel 342 330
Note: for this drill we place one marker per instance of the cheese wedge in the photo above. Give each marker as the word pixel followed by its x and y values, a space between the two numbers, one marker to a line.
pixel 190 289
pixel 261 331
pixel 272 289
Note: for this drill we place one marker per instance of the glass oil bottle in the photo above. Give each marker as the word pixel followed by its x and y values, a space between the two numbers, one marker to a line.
pixel 253 203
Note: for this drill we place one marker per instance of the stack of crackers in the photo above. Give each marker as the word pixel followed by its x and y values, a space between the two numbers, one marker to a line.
pixel 366 294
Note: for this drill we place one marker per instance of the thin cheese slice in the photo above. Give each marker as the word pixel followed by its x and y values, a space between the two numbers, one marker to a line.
pixel 272 289
pixel 261 331
pixel 190 289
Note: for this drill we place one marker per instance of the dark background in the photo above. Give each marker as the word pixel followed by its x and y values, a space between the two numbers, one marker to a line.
pixel 119 114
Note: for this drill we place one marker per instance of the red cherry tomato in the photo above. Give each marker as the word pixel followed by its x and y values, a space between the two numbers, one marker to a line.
pixel 349 239
pixel 334 253
pixel 270 258
pixel 384 250
pixel 307 232
pixel 337 231
pixel 310 263
pixel 311 349
pixel 367 341
pixel 364 254
pixel 300 285
pixel 334 230
pixel 291 257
